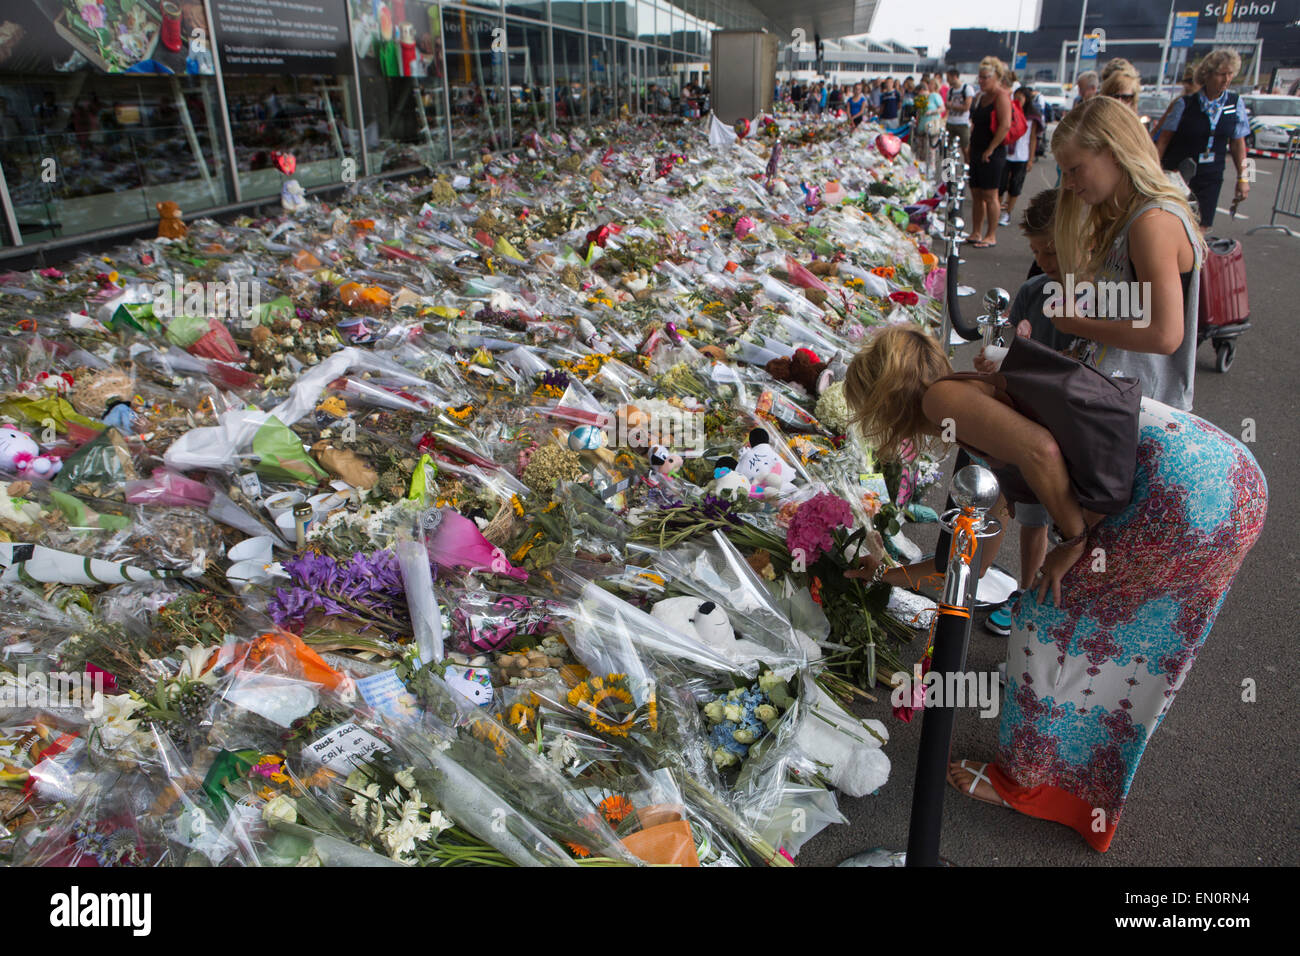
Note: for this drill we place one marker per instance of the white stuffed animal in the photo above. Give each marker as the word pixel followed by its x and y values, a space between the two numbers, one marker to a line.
pixel 292 197
pixel 728 483
pixel 709 624
pixel 20 453
pixel 769 475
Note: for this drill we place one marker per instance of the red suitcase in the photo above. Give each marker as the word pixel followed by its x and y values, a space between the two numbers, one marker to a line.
pixel 1224 302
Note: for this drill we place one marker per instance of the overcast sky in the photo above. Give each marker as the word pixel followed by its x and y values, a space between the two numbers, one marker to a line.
pixel 927 22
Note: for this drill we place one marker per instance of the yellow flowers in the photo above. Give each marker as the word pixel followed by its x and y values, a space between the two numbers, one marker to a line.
pixel 608 705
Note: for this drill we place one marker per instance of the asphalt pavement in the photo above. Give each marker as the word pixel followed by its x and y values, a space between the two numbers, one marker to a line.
pixel 1217 785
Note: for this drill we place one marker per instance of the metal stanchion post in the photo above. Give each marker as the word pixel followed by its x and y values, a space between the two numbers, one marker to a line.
pixel 975 491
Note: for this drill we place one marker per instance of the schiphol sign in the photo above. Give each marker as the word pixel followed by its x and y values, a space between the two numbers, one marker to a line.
pixel 1239 11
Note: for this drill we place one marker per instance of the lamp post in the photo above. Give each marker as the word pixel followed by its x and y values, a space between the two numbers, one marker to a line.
pixel 1015 47
pixel 1078 49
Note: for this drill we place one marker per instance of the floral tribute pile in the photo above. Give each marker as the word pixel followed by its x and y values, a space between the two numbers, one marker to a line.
pixel 500 518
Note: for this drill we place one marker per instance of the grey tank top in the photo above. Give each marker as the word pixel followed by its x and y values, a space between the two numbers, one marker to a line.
pixel 1168 379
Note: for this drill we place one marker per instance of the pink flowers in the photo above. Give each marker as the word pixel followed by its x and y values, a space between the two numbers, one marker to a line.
pixel 810 529
pixel 94 16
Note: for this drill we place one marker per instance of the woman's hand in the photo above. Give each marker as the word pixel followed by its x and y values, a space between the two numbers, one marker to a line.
pixel 1243 190
pixel 984 156
pixel 1057 563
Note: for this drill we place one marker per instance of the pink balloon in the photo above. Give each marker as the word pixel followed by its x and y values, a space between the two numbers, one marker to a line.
pixel 888 144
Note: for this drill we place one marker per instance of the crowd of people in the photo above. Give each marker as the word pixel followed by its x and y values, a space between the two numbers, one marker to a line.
pixel 1095 657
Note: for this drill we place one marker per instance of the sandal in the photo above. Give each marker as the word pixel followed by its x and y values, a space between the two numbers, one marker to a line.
pixel 981 244
pixel 980 777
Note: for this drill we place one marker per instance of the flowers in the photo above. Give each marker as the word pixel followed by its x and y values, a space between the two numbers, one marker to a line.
pixel 905 297
pixel 367 588
pixel 810 529
pixel 743 716
pixel 606 703
pixel 833 408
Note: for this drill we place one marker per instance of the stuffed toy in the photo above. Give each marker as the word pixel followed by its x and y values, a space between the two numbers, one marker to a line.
pixel 292 197
pixel 170 225
pixel 709 624
pixel 804 368
pixel 20 453
pixel 769 475
pixel 728 483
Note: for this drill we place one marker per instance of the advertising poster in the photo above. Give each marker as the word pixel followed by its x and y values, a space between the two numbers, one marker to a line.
pixel 282 36
pixel 396 37
pixel 108 36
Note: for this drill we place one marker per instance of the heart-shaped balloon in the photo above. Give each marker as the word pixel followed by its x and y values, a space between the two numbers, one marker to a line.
pixel 285 162
pixel 888 144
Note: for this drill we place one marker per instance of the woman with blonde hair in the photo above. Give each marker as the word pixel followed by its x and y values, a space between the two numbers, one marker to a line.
pixel 1203 126
pixel 1121 81
pixel 1095 656
pixel 988 151
pixel 1126 234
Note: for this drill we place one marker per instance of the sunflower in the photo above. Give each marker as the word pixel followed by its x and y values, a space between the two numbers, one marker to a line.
pixel 578 850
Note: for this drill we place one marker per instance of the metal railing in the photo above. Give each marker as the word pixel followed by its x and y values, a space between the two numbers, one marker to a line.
pixel 1287 200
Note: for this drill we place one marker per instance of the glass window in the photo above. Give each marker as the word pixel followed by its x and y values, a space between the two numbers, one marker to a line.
pixel 529 78
pixel 599 16
pixel 566 12
pixel 570 77
pixel 402 91
pixel 312 117
pixel 622 77
pixel 533 9
pixel 475 82
pixel 644 23
pixel 83 151
pixel 604 97
pixel 624 14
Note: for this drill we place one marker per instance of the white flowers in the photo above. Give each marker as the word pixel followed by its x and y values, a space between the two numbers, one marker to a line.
pixel 405 778
pixel 397 819
pixel 280 809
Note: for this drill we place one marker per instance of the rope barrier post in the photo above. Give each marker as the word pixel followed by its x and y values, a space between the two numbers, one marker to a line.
pixel 975 491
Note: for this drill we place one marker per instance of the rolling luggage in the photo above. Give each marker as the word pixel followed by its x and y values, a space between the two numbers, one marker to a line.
pixel 1224 305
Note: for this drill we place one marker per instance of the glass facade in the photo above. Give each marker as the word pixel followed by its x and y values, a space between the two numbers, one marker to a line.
pixel 95 131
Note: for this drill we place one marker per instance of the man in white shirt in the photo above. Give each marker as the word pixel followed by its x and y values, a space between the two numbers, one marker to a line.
pixel 960 96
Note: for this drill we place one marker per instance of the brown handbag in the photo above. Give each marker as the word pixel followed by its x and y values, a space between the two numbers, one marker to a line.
pixel 1093 417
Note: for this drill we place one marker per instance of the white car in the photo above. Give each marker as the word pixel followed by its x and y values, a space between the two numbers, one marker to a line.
pixel 1273 119
pixel 1056 97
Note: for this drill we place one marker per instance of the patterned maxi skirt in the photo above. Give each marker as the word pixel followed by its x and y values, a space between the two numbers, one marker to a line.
pixel 1089 682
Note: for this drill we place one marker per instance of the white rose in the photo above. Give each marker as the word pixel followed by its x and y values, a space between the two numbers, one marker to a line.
pixel 280 808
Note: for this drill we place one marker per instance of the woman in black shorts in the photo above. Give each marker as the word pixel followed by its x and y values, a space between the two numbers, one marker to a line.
pixel 987 153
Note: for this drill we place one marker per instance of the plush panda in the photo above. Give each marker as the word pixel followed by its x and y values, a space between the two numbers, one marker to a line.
pixel 708 623
pixel 767 472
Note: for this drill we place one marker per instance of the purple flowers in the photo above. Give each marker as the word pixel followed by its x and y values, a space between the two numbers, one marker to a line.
pixel 810 528
pixel 368 588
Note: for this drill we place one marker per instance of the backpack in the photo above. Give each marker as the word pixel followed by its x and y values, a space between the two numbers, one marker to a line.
pixel 1019 125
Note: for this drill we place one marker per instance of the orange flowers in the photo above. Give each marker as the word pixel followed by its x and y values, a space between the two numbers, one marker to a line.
pixel 885 272
pixel 615 809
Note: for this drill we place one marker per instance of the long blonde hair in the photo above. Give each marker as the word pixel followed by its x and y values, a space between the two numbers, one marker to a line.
pixel 1084 235
pixel 885 384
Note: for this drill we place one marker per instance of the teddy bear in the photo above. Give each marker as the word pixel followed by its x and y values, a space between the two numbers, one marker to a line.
pixel 170 225
pixel 20 453
pixel 804 368
pixel 292 197
pixel 768 474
